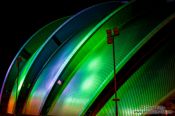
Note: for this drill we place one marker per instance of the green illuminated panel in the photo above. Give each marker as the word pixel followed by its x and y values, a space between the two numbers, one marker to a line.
pixel 78 95
pixel 150 83
pixel 21 78
pixel 37 38
pixel 44 83
pixel 81 59
pixel 80 25
pixel 85 49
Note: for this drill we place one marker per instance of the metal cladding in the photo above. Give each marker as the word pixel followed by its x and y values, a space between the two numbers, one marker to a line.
pixel 64 68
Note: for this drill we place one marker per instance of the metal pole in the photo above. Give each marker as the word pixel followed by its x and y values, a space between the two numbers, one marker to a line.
pixel 17 86
pixel 19 59
pixel 110 40
pixel 115 84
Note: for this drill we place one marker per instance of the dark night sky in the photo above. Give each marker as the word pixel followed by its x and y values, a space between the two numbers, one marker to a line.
pixel 19 20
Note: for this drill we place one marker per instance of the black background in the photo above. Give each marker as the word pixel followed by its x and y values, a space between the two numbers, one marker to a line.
pixel 20 19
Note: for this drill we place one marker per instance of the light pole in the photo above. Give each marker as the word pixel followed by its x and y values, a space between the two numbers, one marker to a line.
pixel 110 40
pixel 18 61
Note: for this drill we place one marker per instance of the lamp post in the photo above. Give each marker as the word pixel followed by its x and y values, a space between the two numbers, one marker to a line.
pixel 18 61
pixel 110 40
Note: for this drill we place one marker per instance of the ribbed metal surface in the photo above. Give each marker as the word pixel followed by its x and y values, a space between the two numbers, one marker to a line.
pixel 147 86
pixel 75 53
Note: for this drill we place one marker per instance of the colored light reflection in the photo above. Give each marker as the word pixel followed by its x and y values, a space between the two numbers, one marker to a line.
pixel 21 78
pixel 49 76
pixel 94 64
pixel 60 59
pixel 99 49
pixel 92 72
pixel 88 83
pixel 148 85
pixel 138 97
pixel 31 46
